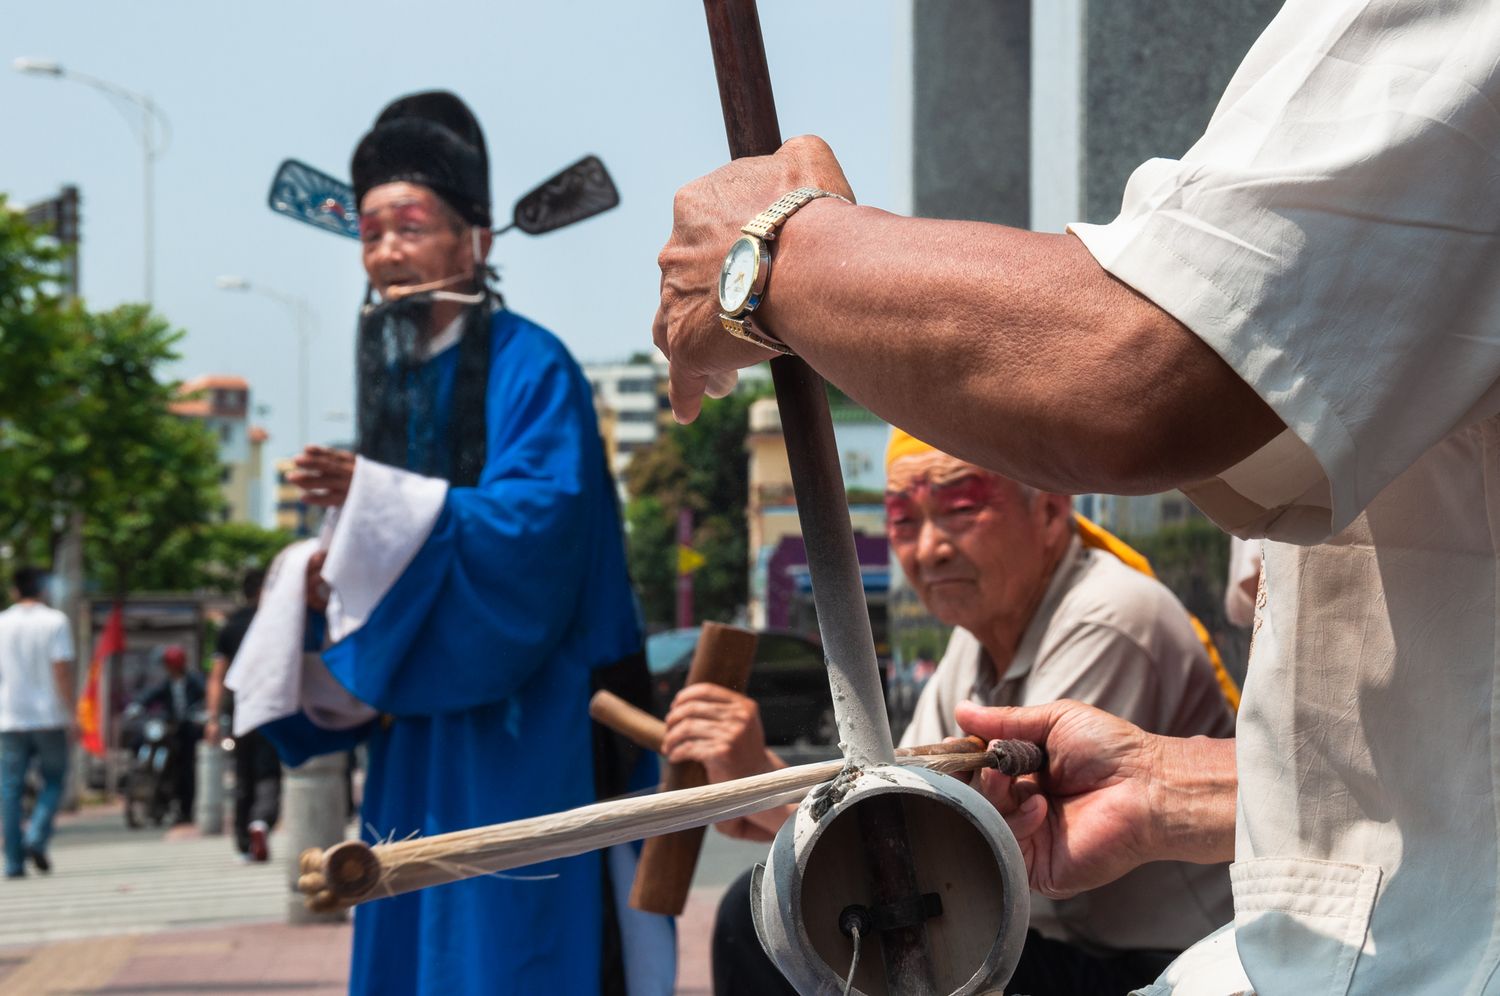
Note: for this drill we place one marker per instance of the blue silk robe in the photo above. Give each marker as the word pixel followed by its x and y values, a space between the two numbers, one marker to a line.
pixel 482 653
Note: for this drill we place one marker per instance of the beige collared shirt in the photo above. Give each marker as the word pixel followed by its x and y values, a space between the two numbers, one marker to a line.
pixel 1335 237
pixel 1110 636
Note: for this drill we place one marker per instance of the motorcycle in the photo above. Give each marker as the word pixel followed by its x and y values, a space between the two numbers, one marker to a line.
pixel 151 780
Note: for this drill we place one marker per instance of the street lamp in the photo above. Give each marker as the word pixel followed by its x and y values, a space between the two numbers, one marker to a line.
pixel 155 134
pixel 300 314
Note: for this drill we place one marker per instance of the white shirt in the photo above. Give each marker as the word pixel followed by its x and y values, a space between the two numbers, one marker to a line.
pixel 1335 237
pixel 1110 636
pixel 32 638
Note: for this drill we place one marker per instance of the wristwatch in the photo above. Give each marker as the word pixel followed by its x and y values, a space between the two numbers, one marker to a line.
pixel 747 268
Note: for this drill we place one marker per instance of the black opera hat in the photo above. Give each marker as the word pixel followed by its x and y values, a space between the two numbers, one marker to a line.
pixel 433 139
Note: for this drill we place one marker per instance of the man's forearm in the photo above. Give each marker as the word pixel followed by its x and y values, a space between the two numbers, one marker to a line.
pixel 62 675
pixel 1193 799
pixel 1011 348
pixel 213 692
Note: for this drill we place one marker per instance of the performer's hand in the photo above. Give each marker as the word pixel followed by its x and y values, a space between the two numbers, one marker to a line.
pixel 315 588
pixel 721 729
pixel 1089 819
pixel 707 215
pixel 323 474
pixel 211 731
pixel 718 728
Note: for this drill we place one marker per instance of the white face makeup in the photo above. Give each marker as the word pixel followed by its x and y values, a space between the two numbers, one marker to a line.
pixel 737 277
pixel 411 243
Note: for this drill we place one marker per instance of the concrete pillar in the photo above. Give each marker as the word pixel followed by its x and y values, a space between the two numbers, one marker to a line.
pixel 971 78
pixel 1033 114
pixel 1154 73
pixel 208 801
pixel 314 812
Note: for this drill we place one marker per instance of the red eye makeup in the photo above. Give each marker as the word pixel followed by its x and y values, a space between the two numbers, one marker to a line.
pixel 950 502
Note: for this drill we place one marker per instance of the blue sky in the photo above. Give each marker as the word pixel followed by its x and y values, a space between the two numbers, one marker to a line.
pixel 245 86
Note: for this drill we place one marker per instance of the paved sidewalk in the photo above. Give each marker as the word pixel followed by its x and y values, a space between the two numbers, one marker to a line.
pixel 247 960
pixel 110 880
pixel 694 931
pixel 253 960
pixel 169 912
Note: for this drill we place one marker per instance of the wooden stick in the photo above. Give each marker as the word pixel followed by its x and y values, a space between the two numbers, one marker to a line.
pixel 629 721
pixel 1013 757
pixel 646 731
pixel 354 872
pixel 665 872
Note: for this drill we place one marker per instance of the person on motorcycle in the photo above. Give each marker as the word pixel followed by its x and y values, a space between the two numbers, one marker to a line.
pixel 180 699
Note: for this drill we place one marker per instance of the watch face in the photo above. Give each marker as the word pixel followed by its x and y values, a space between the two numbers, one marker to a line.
pixel 737 278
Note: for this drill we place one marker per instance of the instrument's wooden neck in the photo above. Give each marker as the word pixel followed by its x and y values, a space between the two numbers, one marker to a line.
pixel 354 872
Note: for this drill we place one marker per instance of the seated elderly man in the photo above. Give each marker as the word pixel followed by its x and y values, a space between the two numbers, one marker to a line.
pixel 1047 606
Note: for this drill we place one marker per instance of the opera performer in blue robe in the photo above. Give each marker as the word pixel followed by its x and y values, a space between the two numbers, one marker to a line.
pixel 474 590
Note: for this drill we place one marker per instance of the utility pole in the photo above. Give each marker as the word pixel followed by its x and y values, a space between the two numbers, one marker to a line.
pixel 301 313
pixel 153 130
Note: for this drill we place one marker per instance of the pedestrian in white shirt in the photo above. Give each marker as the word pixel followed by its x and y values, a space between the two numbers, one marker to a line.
pixel 36 708
pixel 1299 324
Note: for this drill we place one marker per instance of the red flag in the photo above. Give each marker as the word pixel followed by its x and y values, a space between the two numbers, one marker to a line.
pixel 111 642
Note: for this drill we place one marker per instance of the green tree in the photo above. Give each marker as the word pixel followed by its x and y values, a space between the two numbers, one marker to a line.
pixel 86 426
pixel 701 467
pixel 212 557
pixel 148 473
pixel 1192 559
pixel 31 329
pixel 38 358
pixel 650 538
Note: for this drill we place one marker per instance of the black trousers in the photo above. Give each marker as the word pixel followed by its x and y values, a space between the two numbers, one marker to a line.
pixel 1047 967
pixel 257 786
pixel 185 769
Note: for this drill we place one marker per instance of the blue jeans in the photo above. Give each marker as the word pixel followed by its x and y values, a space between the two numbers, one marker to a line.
pixel 17 748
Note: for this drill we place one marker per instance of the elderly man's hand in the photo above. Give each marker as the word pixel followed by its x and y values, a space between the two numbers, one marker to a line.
pixel 706 219
pixel 718 728
pixel 1089 819
pixel 324 475
pixel 721 730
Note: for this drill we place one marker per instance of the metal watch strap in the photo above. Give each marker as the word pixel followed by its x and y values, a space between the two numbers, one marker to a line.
pixel 743 328
pixel 764 225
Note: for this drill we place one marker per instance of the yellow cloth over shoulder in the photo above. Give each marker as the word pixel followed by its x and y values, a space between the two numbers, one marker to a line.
pixel 1092 534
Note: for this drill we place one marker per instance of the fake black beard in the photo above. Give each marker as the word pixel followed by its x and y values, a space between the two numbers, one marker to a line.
pixel 394 394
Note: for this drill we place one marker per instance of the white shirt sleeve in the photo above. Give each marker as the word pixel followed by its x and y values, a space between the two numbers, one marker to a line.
pixel 381 526
pixel 1335 237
